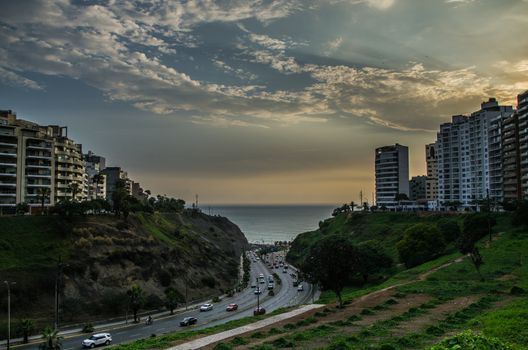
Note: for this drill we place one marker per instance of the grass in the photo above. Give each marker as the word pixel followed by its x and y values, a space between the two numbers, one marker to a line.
pixel 40 238
pixel 166 341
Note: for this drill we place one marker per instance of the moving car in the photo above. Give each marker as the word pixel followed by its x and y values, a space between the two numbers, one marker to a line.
pixel 96 340
pixel 300 288
pixel 206 307
pixel 257 291
pixel 253 285
pixel 271 286
pixel 232 307
pixel 259 311
pixel 187 321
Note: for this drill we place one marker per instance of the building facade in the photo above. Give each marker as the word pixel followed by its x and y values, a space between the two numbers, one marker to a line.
pixel 418 189
pixel 96 180
pixel 392 175
pixel 431 183
pixel 470 156
pixel 26 163
pixel 522 115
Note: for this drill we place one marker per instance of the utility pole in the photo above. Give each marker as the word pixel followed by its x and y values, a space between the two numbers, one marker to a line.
pixel 9 284
pixel 196 202
pixel 186 282
pixel 58 278
pixel 361 198
pixel 489 214
pixel 258 296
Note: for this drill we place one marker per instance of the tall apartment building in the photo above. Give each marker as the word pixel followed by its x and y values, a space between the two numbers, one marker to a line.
pixel 431 182
pixel 112 175
pixel 511 166
pixel 96 182
pixel 418 189
pixel 392 174
pixel 470 155
pixel 522 114
pixel 70 175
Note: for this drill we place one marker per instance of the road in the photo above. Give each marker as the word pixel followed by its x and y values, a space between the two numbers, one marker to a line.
pixel 285 295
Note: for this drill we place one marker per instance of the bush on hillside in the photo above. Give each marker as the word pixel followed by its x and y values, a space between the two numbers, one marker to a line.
pixel 449 229
pixel 471 341
pixel 476 226
pixel 420 243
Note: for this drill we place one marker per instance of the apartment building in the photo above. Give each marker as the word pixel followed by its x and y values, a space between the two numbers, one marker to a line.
pixel 113 174
pixel 431 182
pixel 392 174
pixel 522 115
pixel 511 166
pixel 96 181
pixel 70 175
pixel 418 189
pixel 470 155
pixel 26 163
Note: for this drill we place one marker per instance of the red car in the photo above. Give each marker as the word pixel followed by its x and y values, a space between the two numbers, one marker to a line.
pixel 231 307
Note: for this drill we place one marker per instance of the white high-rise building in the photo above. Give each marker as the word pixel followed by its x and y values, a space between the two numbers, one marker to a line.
pixel 392 174
pixel 469 156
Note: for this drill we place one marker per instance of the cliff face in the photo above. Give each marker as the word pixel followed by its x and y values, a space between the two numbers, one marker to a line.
pixel 104 256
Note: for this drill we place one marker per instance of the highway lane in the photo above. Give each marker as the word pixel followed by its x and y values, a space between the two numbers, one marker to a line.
pixel 285 295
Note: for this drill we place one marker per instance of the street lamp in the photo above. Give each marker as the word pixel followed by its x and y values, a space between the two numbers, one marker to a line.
pixel 9 284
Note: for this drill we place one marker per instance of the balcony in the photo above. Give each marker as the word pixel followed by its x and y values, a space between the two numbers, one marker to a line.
pixel 37 175
pixel 8 144
pixel 9 154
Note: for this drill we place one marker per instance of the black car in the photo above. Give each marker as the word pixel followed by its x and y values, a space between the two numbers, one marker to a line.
pixel 187 321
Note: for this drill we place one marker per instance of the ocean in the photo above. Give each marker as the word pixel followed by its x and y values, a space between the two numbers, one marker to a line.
pixel 270 223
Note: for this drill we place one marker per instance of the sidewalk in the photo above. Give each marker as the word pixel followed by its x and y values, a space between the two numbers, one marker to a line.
pixel 201 342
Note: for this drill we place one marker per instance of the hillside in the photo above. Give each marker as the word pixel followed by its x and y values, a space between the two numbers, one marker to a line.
pixel 104 256
pixel 418 307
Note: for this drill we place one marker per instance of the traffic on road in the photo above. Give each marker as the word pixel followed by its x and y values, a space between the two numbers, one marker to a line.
pixel 264 294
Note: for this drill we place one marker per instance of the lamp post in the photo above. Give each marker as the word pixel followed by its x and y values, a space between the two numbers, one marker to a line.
pixel 258 295
pixel 9 284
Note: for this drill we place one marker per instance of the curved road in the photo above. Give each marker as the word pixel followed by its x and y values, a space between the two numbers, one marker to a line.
pixel 285 295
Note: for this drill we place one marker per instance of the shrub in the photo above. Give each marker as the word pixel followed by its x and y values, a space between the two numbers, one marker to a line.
pixel 88 328
pixel 471 341
pixel 222 346
pixel 421 243
pixel 450 229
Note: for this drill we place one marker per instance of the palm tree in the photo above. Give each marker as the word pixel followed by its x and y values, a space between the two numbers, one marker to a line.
pixel 52 340
pixel 43 193
pixel 136 299
pixel 74 187
pixel 26 326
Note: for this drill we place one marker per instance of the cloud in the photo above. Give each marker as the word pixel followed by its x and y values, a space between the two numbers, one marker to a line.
pixel 13 79
pixel 333 45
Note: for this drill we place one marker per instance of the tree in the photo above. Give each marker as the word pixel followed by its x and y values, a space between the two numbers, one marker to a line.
pixel 520 215
pixel 330 264
pixel 43 193
pixel 476 226
pixel 450 229
pixel 52 340
pixel 22 208
pixel 74 188
pixel 172 298
pixel 420 243
pixel 26 326
pixel 371 259
pixel 119 196
pixel 136 299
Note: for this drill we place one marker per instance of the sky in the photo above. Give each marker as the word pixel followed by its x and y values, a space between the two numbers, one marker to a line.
pixel 258 101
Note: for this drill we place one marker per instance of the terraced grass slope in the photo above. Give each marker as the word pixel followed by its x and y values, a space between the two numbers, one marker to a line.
pixel 419 307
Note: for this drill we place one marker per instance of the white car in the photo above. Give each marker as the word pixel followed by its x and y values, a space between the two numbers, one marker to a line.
pixel 206 307
pixel 96 340
pixel 300 287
